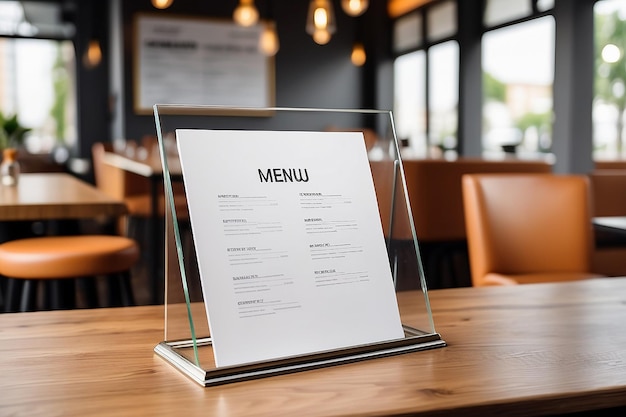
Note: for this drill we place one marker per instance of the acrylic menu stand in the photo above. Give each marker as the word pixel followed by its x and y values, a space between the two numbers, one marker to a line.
pixel 187 341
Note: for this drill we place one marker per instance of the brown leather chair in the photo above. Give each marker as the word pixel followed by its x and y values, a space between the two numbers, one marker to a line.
pixel 527 228
pixel 56 260
pixel 435 194
pixel 608 191
pixel 610 164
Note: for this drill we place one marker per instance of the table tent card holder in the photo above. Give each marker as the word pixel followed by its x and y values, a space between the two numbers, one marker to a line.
pixel 188 344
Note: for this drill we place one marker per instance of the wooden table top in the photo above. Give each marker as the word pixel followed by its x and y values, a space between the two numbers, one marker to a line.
pixel 516 351
pixel 617 223
pixel 55 196
pixel 148 166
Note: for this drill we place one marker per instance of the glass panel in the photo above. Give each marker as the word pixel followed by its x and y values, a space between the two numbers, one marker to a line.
pixel 186 327
pixel 441 20
pixel 410 103
pixel 38 84
pixel 443 87
pixel 407 32
pixel 518 69
pixel 610 83
pixel 503 11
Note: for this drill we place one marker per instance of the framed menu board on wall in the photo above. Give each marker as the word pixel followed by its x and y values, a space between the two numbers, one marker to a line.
pixel 197 61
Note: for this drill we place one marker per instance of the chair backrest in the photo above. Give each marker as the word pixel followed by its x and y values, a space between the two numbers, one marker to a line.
pixel 115 181
pixel 610 164
pixel 608 192
pixel 527 223
pixel 435 195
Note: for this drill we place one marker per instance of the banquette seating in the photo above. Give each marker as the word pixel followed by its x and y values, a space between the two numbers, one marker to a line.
pixel 436 201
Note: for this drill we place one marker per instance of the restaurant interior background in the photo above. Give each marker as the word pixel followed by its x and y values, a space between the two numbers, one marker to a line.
pixel 526 79
pixel 463 78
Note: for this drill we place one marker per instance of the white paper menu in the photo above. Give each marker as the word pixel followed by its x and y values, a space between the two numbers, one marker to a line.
pixel 290 247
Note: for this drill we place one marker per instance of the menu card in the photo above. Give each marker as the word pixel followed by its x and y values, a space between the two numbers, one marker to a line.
pixel 290 246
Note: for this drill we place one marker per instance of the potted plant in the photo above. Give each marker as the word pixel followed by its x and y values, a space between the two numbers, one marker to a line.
pixel 11 138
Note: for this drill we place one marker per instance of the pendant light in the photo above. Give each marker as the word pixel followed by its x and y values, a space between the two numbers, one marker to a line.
pixel 162 4
pixel 354 7
pixel 321 36
pixel 93 54
pixel 358 56
pixel 268 42
pixel 245 13
pixel 320 22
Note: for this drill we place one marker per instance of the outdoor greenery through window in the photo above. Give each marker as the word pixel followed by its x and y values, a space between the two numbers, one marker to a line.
pixel 610 83
pixel 37 84
pixel 37 73
pixel 518 73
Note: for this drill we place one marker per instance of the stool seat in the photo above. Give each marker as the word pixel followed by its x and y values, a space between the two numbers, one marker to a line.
pixel 57 257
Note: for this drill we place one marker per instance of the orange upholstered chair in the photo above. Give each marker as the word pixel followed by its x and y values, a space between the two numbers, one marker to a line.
pixel 527 228
pixel 435 194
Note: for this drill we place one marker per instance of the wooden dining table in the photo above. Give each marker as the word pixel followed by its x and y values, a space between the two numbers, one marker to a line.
pixel 59 201
pixel 527 350
pixel 615 224
pixel 48 196
pixel 610 232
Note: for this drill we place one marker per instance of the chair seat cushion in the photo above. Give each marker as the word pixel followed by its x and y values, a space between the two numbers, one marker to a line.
pixel 67 256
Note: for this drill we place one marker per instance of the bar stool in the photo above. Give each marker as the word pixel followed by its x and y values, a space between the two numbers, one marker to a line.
pixel 58 262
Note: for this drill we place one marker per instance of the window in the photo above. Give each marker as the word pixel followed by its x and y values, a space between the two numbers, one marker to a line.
pixel 443 92
pixel 442 21
pixel 610 84
pixel 410 101
pixel 407 32
pixel 427 81
pixel 502 11
pixel 518 73
pixel 37 76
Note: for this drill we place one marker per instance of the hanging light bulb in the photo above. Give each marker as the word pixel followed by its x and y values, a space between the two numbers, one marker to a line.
pixel 93 54
pixel 162 4
pixel 320 22
pixel 268 42
pixel 321 36
pixel 354 7
pixel 358 56
pixel 245 13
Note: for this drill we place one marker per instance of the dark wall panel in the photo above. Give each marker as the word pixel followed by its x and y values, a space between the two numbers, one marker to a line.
pixel 307 74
